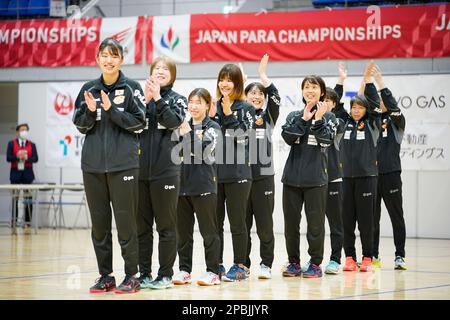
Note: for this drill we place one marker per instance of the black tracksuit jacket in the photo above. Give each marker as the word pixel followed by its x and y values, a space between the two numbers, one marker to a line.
pixel 198 171
pixel 235 129
pixel 392 130
pixel 264 124
pixel 111 143
pixel 306 165
pixel 160 135
pixel 359 158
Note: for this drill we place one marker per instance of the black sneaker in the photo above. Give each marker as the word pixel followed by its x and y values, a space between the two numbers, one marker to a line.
pixel 103 284
pixel 129 285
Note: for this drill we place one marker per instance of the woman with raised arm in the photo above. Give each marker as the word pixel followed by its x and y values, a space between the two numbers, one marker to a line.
pixel 264 97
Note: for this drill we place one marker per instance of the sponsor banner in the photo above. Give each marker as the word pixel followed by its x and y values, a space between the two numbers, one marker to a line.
pixel 61 98
pixel 73 42
pixel 426 147
pixel 170 37
pixel 63 146
pixel 129 32
pixel 355 33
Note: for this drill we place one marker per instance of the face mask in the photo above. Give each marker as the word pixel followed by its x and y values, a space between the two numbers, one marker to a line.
pixel 23 134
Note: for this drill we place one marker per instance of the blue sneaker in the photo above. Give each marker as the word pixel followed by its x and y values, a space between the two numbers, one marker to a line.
pixel 314 271
pixel 145 279
pixel 292 270
pixel 161 283
pixel 222 270
pixel 332 267
pixel 236 273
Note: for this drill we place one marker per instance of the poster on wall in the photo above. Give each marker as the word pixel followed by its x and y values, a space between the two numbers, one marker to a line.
pixel 63 146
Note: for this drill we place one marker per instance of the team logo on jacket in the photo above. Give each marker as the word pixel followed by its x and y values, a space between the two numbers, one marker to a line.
pixel 385 124
pixel 119 99
pixel 119 92
pixel 259 121
pixel 361 125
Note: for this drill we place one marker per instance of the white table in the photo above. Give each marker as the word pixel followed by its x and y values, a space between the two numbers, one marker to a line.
pixel 34 188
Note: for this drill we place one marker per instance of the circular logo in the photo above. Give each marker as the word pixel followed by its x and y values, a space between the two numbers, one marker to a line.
pixel 63 104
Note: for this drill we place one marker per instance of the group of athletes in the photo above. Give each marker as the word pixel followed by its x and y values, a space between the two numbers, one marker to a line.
pixel 159 158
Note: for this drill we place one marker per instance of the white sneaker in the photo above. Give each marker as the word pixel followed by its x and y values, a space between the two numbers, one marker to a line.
pixel 305 267
pixel 400 263
pixel 182 277
pixel 209 279
pixel 265 272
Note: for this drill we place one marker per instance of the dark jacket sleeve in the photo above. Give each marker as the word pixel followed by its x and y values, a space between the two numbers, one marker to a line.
pixel 374 111
pixel 83 118
pixel 394 111
pixel 133 117
pixel 340 112
pixel 339 89
pixel 240 128
pixel 10 156
pixel 232 122
pixel 273 104
pixel 294 128
pixel 34 155
pixel 171 115
pixel 324 130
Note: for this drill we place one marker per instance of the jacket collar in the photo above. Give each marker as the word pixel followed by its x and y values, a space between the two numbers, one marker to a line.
pixel 165 90
pixel 100 84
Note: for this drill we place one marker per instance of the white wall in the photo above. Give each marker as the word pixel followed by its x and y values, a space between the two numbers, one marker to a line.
pixel 426 193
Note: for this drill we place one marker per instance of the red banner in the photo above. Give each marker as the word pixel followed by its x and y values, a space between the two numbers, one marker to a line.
pixel 386 32
pixel 57 43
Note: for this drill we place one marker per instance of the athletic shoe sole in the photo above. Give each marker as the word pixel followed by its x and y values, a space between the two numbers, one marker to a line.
pixel 291 275
pixel 180 282
pixel 331 272
pixel 400 268
pixel 264 277
pixel 126 292
pixel 311 277
pixel 102 291
pixel 224 278
pixel 205 284
pixel 164 287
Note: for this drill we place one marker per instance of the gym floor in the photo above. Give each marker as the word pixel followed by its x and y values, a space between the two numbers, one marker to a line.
pixel 61 264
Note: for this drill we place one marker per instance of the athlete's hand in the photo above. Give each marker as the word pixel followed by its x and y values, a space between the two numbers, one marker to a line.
pixel 155 88
pixel 262 70
pixel 307 113
pixel 342 73
pixel 322 107
pixel 90 101
pixel 369 71
pixel 147 91
pixel 185 128
pixel 226 105
pixel 106 103
pixel 213 110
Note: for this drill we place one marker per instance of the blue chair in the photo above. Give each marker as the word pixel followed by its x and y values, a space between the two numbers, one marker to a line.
pixel 17 7
pixel 4 7
pixel 39 7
